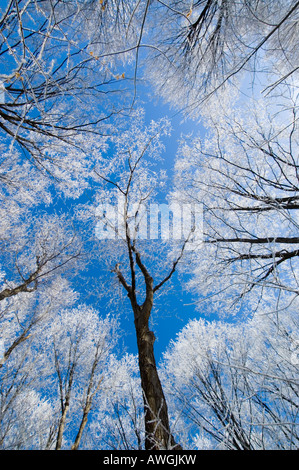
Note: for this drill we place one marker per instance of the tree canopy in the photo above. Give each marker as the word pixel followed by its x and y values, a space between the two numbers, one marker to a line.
pixel 112 219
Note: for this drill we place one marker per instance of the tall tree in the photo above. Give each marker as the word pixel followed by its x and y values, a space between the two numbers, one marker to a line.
pixel 200 46
pixel 232 394
pixel 59 62
pixel 80 344
pixel 245 174
pixel 51 382
pixel 119 425
pixel 123 228
pixel 38 246
pixel 62 64
pixel 27 415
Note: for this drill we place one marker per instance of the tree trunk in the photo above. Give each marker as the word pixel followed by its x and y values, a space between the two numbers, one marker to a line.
pixel 82 426
pixel 156 421
pixel 157 430
pixel 87 406
pixel 61 426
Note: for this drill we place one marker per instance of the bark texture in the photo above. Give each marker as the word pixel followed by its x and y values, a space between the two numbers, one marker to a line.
pixel 158 435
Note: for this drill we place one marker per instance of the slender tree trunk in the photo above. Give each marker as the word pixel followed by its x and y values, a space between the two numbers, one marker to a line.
pixel 82 426
pixel 87 406
pixel 61 426
pixel 65 403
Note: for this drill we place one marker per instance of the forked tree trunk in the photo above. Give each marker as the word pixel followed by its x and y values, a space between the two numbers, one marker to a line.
pixel 157 430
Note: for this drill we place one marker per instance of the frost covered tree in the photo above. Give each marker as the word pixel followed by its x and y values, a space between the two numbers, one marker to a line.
pixel 22 320
pixel 234 386
pixel 60 64
pixel 245 175
pixel 119 421
pixel 80 344
pixel 71 158
pixel 202 46
pixel 63 62
pixel 40 254
pixel 51 383
pixel 38 247
pixel 142 264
